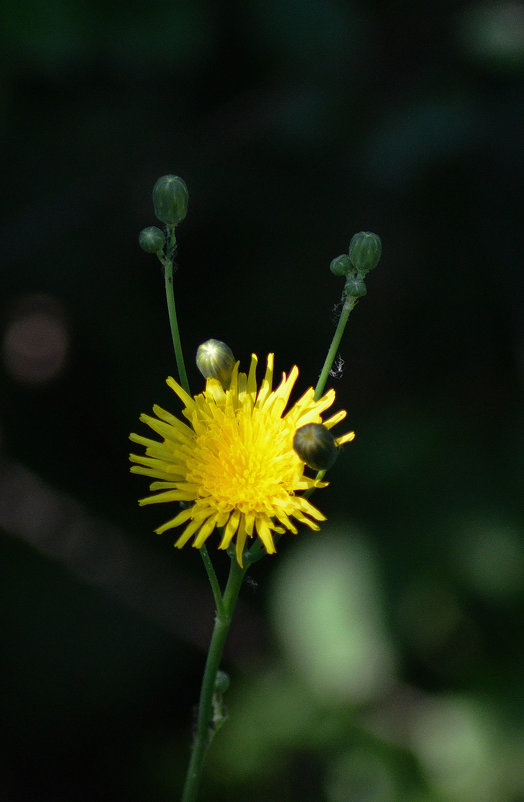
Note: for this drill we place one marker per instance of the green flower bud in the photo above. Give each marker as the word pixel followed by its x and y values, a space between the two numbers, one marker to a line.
pixel 221 682
pixel 365 249
pixel 215 360
pixel 340 265
pixel 170 198
pixel 151 239
pixel 355 286
pixel 316 446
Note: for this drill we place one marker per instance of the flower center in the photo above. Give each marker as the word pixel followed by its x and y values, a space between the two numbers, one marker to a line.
pixel 243 461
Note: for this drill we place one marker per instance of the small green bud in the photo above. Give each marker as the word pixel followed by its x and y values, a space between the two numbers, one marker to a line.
pixel 215 360
pixel 170 198
pixel 151 239
pixel 316 446
pixel 340 265
pixel 221 682
pixel 355 286
pixel 365 249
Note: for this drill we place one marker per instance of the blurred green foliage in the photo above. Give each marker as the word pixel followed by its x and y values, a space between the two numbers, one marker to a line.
pixel 294 125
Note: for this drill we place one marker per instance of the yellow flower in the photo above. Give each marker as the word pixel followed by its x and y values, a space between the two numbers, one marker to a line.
pixel 234 466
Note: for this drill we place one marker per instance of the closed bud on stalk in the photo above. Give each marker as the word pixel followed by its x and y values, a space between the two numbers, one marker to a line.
pixel 215 360
pixel 151 239
pixel 315 444
pixel 340 265
pixel 355 286
pixel 170 199
pixel 221 681
pixel 365 250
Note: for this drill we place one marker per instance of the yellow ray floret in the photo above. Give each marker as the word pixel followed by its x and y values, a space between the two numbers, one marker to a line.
pixel 233 463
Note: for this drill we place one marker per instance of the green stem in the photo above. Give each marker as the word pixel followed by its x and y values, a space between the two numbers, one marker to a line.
pixel 213 581
pixel 204 731
pixel 349 303
pixel 257 551
pixel 167 263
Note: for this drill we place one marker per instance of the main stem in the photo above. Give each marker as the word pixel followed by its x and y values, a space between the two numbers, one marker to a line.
pixel 349 304
pixel 225 604
pixel 204 730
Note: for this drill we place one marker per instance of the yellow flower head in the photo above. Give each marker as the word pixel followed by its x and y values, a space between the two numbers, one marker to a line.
pixel 234 465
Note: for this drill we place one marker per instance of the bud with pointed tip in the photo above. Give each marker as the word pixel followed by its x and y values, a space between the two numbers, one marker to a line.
pixel 365 250
pixel 315 444
pixel 151 239
pixel 340 265
pixel 215 360
pixel 222 681
pixel 355 287
pixel 170 199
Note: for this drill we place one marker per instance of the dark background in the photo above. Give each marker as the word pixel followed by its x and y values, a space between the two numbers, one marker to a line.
pixel 380 660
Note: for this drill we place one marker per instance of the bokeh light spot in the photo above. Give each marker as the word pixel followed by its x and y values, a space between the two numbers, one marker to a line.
pixel 36 340
pixel 327 610
pixel 452 737
pixel 493 33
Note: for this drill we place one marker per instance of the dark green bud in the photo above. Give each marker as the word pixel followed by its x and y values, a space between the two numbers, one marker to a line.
pixel 151 239
pixel 316 446
pixel 215 360
pixel 365 249
pixel 170 198
pixel 221 682
pixel 340 265
pixel 355 286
